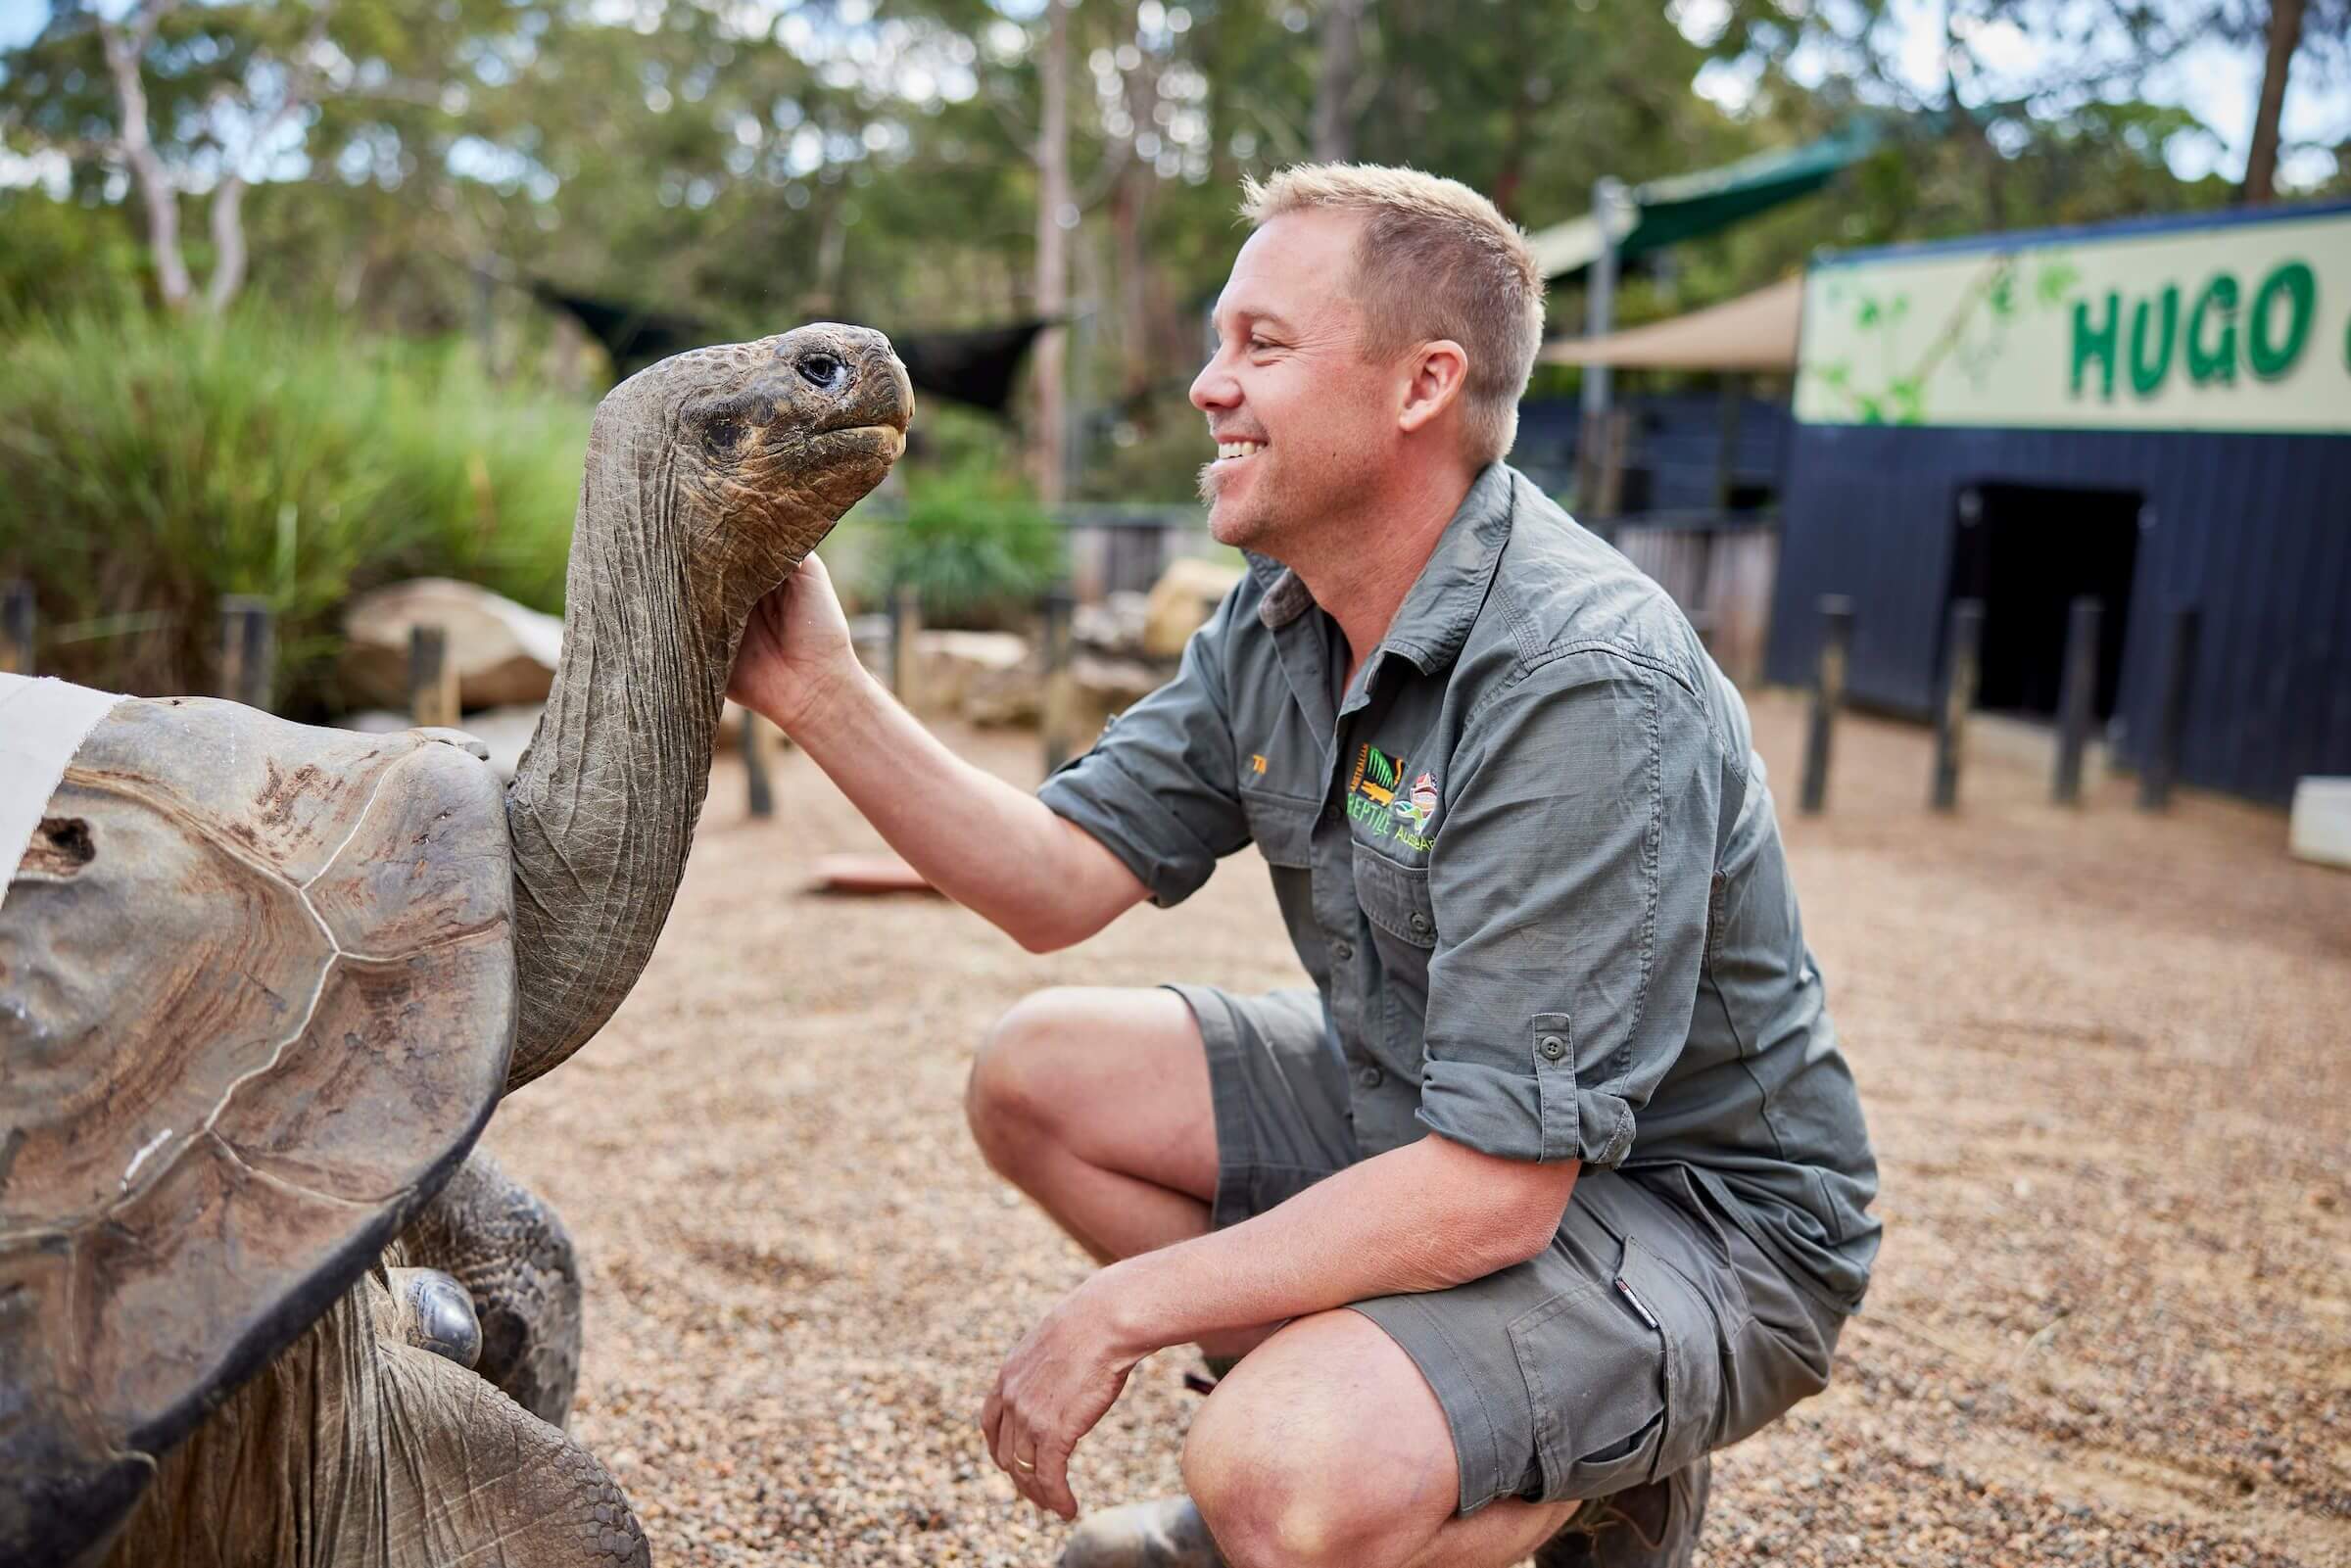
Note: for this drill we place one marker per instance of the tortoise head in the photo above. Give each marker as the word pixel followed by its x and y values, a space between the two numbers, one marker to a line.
pixel 710 477
pixel 757 450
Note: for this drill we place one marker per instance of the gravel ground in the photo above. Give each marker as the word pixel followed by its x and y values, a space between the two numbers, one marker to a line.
pixel 2103 1057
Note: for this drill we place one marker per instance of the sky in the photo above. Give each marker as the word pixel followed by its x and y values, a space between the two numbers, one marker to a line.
pixel 2217 83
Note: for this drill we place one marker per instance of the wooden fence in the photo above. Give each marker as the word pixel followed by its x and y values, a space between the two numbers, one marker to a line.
pixel 1719 572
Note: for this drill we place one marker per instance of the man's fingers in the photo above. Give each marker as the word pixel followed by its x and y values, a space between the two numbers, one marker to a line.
pixel 1053 1483
pixel 992 1412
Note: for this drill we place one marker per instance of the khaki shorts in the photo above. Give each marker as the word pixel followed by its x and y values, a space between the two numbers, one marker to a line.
pixel 1652 1332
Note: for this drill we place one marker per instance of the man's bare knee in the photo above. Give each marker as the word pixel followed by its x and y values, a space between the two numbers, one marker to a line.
pixel 1324 1448
pixel 1009 1108
pixel 1272 1501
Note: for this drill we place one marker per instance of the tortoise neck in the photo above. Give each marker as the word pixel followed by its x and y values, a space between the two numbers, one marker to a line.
pixel 603 808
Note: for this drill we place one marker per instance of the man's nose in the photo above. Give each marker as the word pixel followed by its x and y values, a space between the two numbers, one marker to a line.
pixel 1213 387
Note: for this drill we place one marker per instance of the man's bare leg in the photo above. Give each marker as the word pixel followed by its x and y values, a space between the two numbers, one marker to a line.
pixel 1095 1101
pixel 1327 1448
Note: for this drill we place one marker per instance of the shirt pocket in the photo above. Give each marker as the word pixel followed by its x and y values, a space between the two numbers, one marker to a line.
pixel 1395 899
pixel 1282 827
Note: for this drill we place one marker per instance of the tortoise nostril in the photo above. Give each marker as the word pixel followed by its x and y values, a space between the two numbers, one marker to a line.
pixel 821 371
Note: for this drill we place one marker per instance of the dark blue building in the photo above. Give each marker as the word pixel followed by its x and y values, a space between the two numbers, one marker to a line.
pixel 2157 414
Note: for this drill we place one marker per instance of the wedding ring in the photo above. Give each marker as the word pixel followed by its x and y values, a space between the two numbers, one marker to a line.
pixel 1025 1464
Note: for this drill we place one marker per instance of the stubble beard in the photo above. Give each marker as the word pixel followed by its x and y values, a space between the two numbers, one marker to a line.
pixel 1227 522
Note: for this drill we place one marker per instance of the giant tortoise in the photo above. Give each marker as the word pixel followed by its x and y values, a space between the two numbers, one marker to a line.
pixel 261 985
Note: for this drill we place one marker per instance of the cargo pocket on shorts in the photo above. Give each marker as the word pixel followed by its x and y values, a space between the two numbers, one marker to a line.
pixel 1625 1378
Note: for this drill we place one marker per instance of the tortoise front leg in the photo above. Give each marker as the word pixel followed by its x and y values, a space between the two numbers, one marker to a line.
pixel 356 1447
pixel 510 1249
pixel 473 1477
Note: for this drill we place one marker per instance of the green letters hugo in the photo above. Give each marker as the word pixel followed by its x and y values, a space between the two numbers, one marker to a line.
pixel 2205 339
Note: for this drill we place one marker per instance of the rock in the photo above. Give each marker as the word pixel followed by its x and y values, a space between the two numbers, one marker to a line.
pixel 504 652
pixel 1180 603
pixel 1114 626
pixel 1082 698
pixel 948 666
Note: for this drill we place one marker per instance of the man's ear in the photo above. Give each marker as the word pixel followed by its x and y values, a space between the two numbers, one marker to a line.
pixel 1438 371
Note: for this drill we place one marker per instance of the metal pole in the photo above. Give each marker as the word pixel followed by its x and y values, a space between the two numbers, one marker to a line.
pixel 1608 199
pixel 2162 763
pixel 18 622
pixel 762 794
pixel 1061 609
pixel 905 625
pixel 2075 699
pixel 1963 658
pixel 432 679
pixel 1828 694
pixel 248 650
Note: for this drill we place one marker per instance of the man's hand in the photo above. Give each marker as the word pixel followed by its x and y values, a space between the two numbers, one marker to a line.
pixel 1058 1382
pixel 797 654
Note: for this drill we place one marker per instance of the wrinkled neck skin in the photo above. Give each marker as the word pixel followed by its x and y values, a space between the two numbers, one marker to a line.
pixel 602 811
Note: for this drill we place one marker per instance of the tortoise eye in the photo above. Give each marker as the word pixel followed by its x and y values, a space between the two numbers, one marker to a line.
pixel 822 370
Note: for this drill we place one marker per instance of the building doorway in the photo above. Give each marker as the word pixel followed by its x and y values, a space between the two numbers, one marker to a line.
pixel 2028 551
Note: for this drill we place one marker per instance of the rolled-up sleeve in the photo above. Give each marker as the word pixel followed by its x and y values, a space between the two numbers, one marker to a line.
pixel 1160 788
pixel 1569 880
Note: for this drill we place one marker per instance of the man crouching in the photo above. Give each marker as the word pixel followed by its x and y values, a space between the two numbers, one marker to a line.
pixel 1554 1180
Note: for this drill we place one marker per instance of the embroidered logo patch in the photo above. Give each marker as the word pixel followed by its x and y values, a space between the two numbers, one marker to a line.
pixel 1378 798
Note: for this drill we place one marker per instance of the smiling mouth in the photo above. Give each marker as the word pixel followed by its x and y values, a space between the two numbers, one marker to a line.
pixel 1234 450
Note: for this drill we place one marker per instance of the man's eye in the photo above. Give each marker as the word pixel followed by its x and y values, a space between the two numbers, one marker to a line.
pixel 1259 344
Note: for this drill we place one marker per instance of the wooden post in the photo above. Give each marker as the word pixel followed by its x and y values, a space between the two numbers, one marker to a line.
pixel 1061 609
pixel 2161 764
pixel 18 622
pixel 248 650
pixel 432 679
pixel 905 627
pixel 2077 698
pixel 1828 695
pixel 754 766
pixel 1726 435
pixel 1962 660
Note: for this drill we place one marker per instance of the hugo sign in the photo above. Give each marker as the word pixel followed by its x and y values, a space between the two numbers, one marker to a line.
pixel 2224 325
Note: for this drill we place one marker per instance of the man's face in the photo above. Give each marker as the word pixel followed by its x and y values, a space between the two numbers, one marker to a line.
pixel 1304 425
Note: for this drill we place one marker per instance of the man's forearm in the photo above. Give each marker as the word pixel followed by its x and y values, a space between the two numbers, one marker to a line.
pixel 1427 1216
pixel 993 848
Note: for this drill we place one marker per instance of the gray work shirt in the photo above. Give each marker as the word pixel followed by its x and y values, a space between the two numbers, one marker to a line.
pixel 1528 858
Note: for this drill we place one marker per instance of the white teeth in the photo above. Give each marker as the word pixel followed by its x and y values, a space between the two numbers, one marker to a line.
pixel 1238 448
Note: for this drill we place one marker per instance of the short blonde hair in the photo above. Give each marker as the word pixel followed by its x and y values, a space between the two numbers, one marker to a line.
pixel 1436 259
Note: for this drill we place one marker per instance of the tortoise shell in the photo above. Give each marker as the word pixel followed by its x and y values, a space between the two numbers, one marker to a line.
pixel 257 1000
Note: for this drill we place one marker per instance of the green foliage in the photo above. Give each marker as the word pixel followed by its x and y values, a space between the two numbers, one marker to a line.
pixel 973 541
pixel 152 465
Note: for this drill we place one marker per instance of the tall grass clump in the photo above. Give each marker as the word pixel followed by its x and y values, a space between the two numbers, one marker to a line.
pixel 973 541
pixel 150 465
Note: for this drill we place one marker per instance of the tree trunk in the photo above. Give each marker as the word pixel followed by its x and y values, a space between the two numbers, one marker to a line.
pixel 1052 251
pixel 1334 127
pixel 123 50
pixel 1131 211
pixel 229 245
pixel 2261 161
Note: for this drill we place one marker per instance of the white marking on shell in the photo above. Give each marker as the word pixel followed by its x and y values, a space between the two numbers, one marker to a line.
pixel 140 1159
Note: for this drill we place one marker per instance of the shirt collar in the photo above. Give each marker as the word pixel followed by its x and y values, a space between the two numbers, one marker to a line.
pixel 1436 614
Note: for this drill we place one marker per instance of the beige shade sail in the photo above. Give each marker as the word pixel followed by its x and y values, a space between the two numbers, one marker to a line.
pixel 1753 332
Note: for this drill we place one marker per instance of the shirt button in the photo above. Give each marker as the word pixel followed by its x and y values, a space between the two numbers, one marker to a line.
pixel 1419 924
pixel 1551 1047
pixel 1342 950
pixel 1370 1078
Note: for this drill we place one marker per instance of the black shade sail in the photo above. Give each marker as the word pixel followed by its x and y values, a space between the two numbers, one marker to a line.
pixel 978 365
